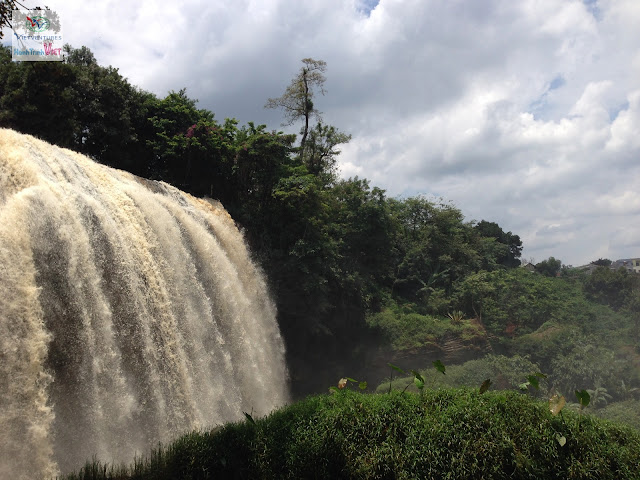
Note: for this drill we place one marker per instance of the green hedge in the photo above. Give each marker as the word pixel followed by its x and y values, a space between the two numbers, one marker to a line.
pixel 446 433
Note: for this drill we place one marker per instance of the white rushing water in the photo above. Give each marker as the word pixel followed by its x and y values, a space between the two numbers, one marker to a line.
pixel 130 312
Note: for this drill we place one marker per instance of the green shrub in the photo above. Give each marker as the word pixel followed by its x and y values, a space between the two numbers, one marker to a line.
pixel 405 329
pixel 627 412
pixel 446 433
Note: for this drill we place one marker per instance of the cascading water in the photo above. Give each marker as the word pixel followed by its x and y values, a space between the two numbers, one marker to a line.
pixel 130 313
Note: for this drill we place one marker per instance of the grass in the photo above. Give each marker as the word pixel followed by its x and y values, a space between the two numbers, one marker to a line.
pixel 446 433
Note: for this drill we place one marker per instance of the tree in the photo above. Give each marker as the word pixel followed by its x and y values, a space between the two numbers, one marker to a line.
pixel 612 287
pixel 78 104
pixel 6 7
pixel 320 153
pixel 587 366
pixel 80 57
pixel 109 113
pixel 171 118
pixel 514 302
pixel 599 396
pixel 297 99
pixel 362 225
pixel 549 267
pixel 36 98
pixel 507 257
pixel 434 248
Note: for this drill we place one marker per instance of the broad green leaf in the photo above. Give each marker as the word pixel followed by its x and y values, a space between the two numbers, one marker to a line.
pixel 333 389
pixel 583 398
pixel 524 386
pixel 556 404
pixel 485 386
pixel 362 385
pixel 417 379
pixel 439 366
pixel 419 383
pixel 249 418
pixel 397 369
pixel 561 439
pixel 540 375
pixel 533 381
pixel 352 380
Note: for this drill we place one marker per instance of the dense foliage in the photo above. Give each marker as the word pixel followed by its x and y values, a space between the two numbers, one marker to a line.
pixel 360 279
pixel 452 434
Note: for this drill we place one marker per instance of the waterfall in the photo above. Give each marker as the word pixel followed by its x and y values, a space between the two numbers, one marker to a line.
pixel 130 313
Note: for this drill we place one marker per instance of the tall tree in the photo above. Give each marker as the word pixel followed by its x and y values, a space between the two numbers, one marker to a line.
pixel 297 99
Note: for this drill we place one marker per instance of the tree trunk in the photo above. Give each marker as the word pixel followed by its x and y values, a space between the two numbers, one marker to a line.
pixel 307 111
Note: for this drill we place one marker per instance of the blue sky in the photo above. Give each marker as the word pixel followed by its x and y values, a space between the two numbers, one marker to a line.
pixel 368 5
pixel 523 112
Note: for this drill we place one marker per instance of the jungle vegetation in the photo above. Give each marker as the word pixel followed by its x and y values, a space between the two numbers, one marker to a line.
pixel 360 279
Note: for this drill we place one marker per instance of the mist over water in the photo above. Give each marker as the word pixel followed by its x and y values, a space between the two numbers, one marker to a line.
pixel 130 312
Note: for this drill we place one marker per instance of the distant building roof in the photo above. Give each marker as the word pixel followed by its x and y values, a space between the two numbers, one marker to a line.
pixel 631 264
pixel 528 265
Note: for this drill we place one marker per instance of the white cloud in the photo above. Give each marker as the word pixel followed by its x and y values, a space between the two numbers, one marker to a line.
pixel 625 129
pixel 526 113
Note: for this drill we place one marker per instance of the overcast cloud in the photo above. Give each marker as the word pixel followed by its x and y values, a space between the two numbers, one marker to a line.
pixel 526 113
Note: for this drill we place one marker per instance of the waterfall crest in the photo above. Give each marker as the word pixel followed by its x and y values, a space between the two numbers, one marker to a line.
pixel 130 312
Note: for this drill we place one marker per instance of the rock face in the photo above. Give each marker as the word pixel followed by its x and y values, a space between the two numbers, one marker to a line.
pixel 130 312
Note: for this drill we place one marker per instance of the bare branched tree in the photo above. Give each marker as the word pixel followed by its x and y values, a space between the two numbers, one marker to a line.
pixel 297 100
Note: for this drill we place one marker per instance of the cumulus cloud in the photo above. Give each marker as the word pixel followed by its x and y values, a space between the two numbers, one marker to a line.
pixel 526 113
